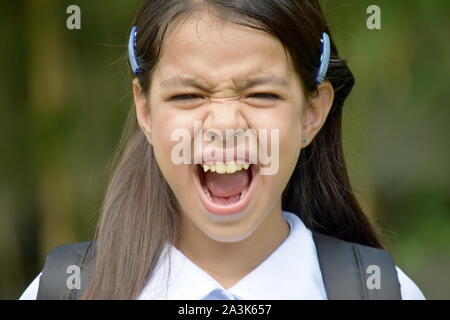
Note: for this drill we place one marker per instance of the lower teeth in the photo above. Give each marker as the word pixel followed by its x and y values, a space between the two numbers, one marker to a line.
pixel 208 195
pixel 243 193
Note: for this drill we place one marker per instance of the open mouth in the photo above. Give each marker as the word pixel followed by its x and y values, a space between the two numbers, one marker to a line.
pixel 226 188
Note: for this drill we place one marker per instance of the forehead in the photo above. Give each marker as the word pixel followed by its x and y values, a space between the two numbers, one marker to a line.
pixel 219 53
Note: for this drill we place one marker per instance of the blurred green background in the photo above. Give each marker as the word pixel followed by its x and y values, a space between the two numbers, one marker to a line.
pixel 65 95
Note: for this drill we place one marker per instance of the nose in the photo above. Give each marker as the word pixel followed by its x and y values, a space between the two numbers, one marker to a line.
pixel 225 117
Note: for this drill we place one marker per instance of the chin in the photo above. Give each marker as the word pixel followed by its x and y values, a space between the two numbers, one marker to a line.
pixel 230 235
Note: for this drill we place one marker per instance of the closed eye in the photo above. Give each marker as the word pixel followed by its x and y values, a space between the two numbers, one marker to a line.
pixel 184 97
pixel 265 96
pixel 256 95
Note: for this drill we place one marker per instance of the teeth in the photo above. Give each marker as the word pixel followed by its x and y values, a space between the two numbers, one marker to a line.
pixel 243 193
pixel 221 168
pixel 206 191
pixel 232 168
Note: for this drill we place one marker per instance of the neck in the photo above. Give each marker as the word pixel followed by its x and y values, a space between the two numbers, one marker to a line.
pixel 228 262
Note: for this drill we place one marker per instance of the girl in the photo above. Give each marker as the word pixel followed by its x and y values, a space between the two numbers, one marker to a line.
pixel 191 219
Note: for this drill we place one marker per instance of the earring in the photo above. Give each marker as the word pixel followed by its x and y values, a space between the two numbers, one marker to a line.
pixel 305 139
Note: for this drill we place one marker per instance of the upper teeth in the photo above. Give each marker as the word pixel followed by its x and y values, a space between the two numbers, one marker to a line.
pixel 230 167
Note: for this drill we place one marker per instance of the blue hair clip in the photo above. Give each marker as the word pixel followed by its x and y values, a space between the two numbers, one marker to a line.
pixel 324 58
pixel 132 56
pixel 321 73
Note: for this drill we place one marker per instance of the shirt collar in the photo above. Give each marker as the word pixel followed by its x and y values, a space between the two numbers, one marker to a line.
pixel 290 272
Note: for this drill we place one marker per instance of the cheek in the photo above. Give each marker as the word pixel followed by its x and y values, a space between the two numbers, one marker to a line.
pixel 290 148
pixel 288 121
pixel 290 143
pixel 164 125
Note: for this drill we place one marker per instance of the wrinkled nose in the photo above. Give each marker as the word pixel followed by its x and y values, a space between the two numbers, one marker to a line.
pixel 225 117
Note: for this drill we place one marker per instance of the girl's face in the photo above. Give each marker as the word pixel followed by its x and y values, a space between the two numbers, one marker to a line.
pixel 203 75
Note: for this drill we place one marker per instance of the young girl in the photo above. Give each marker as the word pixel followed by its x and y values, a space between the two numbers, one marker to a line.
pixel 232 182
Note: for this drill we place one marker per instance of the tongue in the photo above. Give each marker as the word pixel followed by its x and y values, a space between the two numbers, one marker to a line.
pixel 226 185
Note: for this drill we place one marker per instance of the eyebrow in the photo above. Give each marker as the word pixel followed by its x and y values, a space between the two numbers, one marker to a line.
pixel 244 84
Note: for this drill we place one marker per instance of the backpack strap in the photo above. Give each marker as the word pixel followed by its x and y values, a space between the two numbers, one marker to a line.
pixel 344 266
pixel 53 281
pixel 347 270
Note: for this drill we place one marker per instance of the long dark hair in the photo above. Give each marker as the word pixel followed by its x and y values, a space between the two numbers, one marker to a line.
pixel 140 212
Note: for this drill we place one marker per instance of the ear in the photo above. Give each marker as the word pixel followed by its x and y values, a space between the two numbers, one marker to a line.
pixel 316 112
pixel 142 110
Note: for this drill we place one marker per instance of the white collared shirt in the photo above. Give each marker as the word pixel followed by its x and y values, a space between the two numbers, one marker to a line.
pixel 290 272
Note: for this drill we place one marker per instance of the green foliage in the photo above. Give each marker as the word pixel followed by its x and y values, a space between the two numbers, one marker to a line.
pixel 65 95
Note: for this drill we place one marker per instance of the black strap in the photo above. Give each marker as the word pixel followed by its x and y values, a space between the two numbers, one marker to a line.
pixel 347 266
pixel 343 265
pixel 53 281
